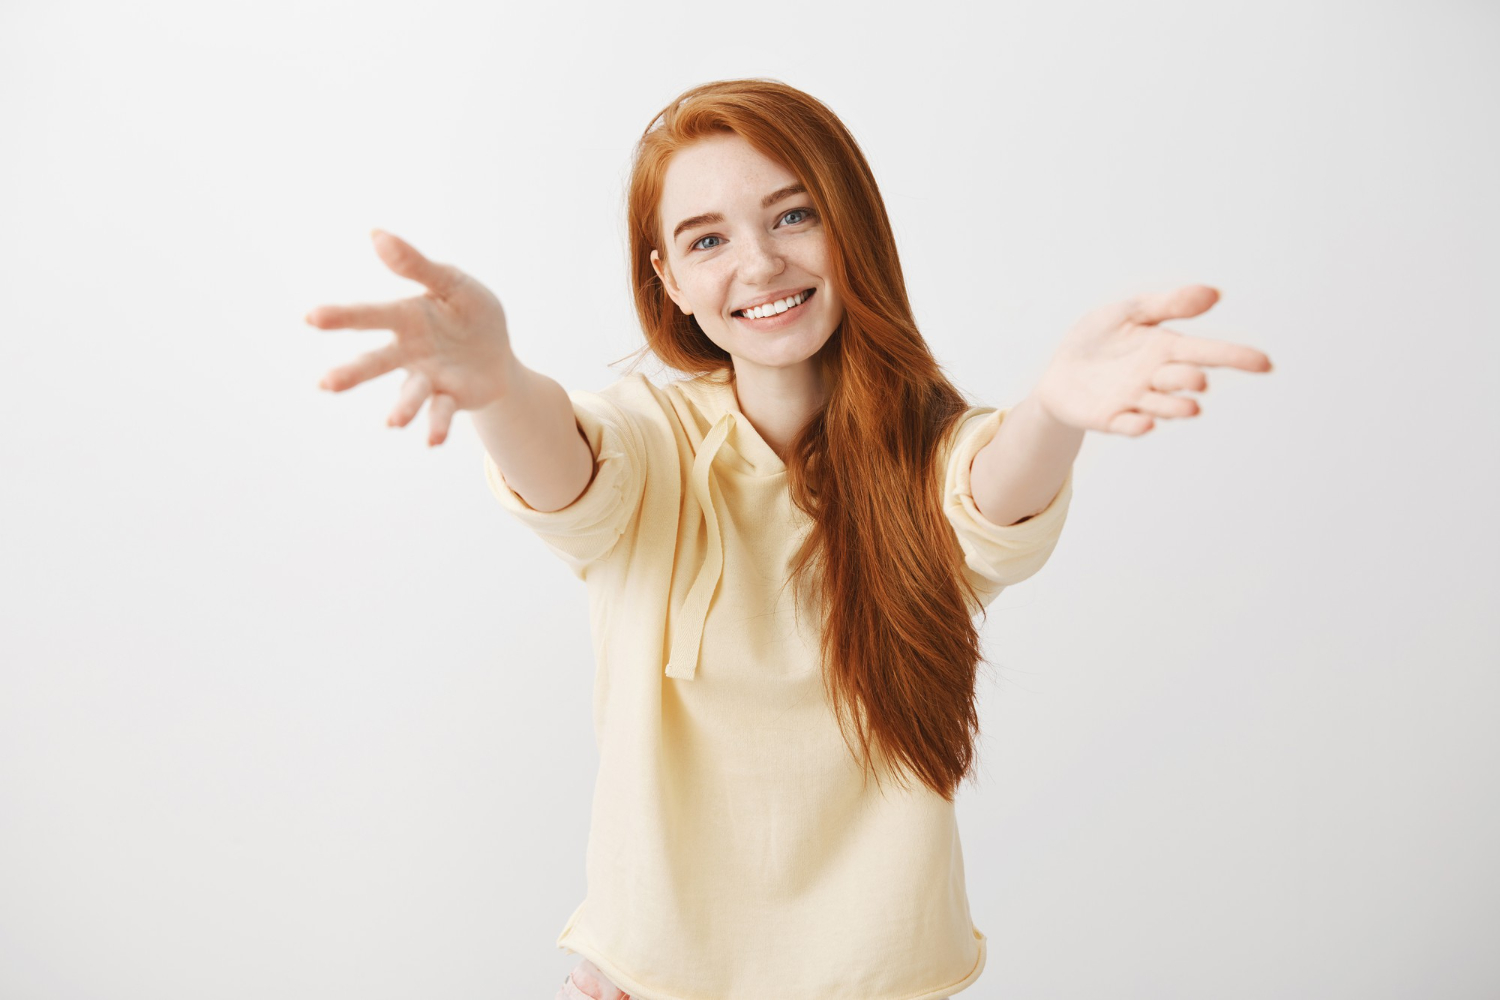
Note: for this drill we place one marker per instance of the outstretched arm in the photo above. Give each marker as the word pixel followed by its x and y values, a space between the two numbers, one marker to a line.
pixel 1114 372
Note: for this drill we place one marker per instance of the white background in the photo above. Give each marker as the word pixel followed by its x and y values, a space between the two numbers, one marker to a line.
pixel 290 707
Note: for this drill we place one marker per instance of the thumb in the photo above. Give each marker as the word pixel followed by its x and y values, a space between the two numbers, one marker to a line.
pixel 1179 303
pixel 403 258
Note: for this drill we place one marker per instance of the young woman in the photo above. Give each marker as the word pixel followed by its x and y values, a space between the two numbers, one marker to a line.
pixel 738 848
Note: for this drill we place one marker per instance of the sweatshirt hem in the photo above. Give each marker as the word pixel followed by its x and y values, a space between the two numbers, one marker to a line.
pixel 572 939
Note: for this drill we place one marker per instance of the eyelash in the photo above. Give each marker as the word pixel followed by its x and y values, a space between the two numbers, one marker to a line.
pixel 694 247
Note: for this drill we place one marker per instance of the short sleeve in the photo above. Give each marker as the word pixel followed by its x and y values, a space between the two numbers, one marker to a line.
pixel 589 528
pixel 996 556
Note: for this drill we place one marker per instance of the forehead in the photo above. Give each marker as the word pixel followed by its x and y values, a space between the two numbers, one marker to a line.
pixel 719 174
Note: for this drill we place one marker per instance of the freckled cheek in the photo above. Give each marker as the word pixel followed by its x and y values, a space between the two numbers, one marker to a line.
pixel 707 297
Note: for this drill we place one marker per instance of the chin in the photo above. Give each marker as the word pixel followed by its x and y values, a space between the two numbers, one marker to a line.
pixel 785 355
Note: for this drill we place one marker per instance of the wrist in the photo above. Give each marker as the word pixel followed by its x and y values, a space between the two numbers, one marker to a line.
pixel 1045 417
pixel 510 382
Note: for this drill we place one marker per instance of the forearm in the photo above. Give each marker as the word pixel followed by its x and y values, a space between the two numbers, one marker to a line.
pixel 533 436
pixel 1019 472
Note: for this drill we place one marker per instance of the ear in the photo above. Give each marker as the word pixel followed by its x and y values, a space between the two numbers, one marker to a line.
pixel 665 276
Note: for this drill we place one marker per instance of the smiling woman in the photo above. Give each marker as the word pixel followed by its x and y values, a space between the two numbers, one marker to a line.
pixel 814 444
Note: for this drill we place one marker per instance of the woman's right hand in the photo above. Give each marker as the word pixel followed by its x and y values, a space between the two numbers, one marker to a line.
pixel 451 339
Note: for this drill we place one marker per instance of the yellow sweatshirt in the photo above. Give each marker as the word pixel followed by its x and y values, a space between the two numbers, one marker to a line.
pixel 735 850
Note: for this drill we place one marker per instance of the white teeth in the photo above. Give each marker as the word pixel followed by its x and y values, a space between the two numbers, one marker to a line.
pixel 772 308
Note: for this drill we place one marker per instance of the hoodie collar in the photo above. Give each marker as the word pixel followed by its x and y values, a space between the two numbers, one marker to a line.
pixel 744 450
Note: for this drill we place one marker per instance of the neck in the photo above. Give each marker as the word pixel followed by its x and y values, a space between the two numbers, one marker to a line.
pixel 778 402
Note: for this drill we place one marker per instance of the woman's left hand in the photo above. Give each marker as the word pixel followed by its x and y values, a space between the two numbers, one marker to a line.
pixel 1117 369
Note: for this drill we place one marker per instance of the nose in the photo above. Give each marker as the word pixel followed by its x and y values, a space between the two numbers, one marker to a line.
pixel 761 260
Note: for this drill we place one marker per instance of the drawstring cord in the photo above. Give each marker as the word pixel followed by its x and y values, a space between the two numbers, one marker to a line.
pixel 693 616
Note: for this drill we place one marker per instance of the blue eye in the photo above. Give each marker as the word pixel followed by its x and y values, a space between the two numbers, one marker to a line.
pixel 807 212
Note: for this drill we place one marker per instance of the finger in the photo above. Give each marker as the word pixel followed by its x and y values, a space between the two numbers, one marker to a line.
pixel 1161 404
pixel 414 392
pixel 1179 377
pixel 1220 353
pixel 1179 303
pixel 440 416
pixel 365 316
pixel 1131 423
pixel 363 368
pixel 403 258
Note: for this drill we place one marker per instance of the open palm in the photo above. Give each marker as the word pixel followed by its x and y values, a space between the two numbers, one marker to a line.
pixel 451 339
pixel 1117 368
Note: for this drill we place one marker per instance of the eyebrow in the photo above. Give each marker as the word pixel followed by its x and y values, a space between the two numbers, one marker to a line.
pixel 711 217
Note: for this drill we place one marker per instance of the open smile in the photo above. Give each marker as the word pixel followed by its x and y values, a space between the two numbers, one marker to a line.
pixel 779 313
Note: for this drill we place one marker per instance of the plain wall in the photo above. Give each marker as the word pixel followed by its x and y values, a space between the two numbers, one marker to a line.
pixel 289 706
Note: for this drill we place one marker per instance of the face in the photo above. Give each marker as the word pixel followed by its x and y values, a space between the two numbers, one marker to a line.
pixel 751 236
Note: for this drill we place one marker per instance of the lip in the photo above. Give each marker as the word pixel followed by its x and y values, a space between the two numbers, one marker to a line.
pixel 776 321
pixel 783 293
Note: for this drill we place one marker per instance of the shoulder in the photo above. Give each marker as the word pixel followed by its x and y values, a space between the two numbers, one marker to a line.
pixel 634 392
pixel 654 414
pixel 975 422
pixel 631 399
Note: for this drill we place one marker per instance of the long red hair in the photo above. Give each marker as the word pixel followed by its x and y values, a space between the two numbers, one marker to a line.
pixel 900 647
